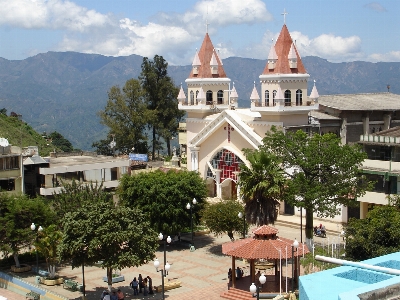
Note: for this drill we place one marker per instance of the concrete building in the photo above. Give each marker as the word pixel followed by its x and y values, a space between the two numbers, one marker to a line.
pixel 11 170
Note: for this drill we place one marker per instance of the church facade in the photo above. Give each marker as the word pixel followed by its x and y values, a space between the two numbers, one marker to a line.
pixel 217 130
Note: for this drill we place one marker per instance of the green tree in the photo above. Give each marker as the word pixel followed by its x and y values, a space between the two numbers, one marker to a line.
pixel 75 194
pixel 47 243
pixel 323 173
pixel 376 235
pixel 261 186
pixel 163 197
pixel 125 115
pixel 17 213
pixel 61 142
pixel 160 98
pixel 222 217
pixel 3 111
pixel 119 236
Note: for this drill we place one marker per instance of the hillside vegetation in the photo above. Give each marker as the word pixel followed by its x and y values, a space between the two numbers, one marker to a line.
pixel 19 133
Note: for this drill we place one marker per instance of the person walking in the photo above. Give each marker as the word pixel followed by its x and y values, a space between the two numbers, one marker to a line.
pixel 150 282
pixel 145 291
pixel 140 279
pixel 134 285
pixel 114 295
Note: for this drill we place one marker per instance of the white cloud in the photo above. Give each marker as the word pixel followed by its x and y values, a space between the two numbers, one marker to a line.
pixel 50 14
pixel 393 56
pixel 375 6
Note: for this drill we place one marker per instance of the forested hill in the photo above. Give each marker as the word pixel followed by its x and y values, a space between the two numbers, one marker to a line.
pixel 63 91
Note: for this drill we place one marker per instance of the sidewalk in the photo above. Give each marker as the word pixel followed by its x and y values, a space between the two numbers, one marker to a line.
pixel 294 221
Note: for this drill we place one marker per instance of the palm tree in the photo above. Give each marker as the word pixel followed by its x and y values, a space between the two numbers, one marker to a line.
pixel 47 244
pixel 261 187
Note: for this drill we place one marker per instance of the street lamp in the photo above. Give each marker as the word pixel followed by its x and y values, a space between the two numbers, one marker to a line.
pixel 254 288
pixel 241 215
pixel 33 227
pixel 163 273
pixel 188 206
pixel 167 240
pixel 294 246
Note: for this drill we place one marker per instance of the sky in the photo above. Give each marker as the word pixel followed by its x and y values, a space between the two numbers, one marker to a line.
pixel 337 30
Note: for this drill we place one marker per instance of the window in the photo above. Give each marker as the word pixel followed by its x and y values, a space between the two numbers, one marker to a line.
pixel 266 98
pixel 288 96
pixel 220 97
pixel 197 93
pixel 191 98
pixel 9 163
pixel 273 97
pixel 7 185
pixel 299 98
pixel 209 98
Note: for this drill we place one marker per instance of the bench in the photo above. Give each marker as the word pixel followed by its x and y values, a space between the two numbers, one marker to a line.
pixel 32 295
pixel 168 286
pixel 70 284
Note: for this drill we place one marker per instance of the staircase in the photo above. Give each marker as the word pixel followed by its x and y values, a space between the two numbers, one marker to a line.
pixel 235 294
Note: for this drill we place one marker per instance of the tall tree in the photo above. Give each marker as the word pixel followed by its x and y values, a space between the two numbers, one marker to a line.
pixel 323 173
pixel 118 236
pixel 163 197
pixel 17 213
pixel 125 115
pixel 58 140
pixel 261 186
pixel 160 95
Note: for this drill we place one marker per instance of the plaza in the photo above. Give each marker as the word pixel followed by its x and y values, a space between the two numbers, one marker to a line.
pixel 202 272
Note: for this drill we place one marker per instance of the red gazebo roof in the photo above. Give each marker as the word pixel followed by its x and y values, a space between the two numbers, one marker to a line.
pixel 265 244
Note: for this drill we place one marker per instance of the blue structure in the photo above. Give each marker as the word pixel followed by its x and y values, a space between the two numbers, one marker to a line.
pixel 347 282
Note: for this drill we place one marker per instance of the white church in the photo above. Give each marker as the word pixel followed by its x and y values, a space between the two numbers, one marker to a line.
pixel 217 129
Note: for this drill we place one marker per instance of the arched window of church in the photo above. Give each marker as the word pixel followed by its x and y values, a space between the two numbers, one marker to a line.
pixel 209 98
pixel 299 98
pixel 197 93
pixel 273 98
pixel 288 98
pixel 220 97
pixel 191 98
pixel 266 98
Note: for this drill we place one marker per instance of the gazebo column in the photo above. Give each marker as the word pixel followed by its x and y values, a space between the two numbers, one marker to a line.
pixel 276 267
pixel 252 271
pixel 233 272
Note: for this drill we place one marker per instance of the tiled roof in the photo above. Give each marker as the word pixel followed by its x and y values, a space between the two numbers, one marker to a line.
pixel 373 101
pixel 392 132
pixel 265 229
pixel 205 54
pixel 322 116
pixel 282 48
pixel 253 248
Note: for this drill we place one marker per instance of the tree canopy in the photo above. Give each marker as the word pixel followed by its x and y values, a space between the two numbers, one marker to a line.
pixel 163 197
pixel 378 234
pixel 125 115
pixel 261 186
pixel 323 173
pixel 60 142
pixel 17 213
pixel 118 236
pixel 222 217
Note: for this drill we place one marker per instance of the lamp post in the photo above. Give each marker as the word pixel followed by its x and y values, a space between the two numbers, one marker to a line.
pixel 294 246
pixel 33 227
pixel 188 206
pixel 163 273
pixel 241 215
pixel 254 288
pixel 167 240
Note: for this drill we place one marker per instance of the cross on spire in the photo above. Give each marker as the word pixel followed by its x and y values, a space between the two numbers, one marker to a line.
pixel 284 15
pixel 207 26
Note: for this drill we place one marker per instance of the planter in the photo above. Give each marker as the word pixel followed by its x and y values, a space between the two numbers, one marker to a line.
pixel 115 279
pixel 51 282
pixel 21 269
pixel 167 163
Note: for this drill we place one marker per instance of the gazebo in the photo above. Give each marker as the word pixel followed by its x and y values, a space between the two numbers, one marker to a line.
pixel 264 245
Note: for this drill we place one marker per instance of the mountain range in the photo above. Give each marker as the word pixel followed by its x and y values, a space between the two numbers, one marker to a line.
pixel 63 91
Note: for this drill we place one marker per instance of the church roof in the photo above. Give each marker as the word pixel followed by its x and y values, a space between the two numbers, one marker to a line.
pixel 254 94
pixel 282 47
pixel 181 95
pixel 314 93
pixel 205 54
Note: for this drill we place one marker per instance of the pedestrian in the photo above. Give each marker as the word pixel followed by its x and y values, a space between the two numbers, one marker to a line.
pixel 114 295
pixel 150 282
pixel 120 295
pixel 230 274
pixel 145 291
pixel 140 280
pixel 134 284
pixel 103 294
pixel 107 296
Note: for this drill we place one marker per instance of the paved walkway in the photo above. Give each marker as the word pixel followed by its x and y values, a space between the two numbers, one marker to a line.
pixel 203 272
